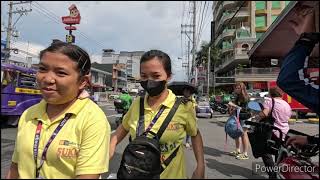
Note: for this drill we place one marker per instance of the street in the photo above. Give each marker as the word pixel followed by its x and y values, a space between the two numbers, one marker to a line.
pixel 217 161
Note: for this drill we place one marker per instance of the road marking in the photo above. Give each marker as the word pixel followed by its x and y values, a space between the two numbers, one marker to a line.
pixel 113 131
pixel 110 109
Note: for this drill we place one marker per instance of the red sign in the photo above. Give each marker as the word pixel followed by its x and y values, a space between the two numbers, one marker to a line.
pixel 70 28
pixel 74 17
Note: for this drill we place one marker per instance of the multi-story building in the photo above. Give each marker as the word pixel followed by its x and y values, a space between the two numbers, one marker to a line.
pixel 118 80
pixel 99 80
pixel 237 26
pixel 130 59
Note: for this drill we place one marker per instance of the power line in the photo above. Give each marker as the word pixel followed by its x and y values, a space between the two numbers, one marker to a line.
pixel 204 26
pixel 201 23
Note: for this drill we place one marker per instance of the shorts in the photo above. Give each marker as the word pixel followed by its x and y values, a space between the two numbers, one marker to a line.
pixel 243 125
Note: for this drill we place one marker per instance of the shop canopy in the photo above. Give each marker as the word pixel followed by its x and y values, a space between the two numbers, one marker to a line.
pixel 280 37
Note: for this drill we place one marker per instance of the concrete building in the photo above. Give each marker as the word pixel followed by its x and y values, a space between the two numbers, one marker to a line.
pixel 99 80
pixel 130 59
pixel 118 80
pixel 237 26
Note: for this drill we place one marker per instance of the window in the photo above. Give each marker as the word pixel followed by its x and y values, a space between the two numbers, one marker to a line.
pixel 96 78
pixel 259 34
pixel 260 21
pixel 276 5
pixel 27 81
pixel 274 17
pixel 260 5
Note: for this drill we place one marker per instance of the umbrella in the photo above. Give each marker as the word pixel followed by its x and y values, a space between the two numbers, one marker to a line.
pixel 177 87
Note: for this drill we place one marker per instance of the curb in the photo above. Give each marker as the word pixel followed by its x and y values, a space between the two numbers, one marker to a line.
pixel 313 121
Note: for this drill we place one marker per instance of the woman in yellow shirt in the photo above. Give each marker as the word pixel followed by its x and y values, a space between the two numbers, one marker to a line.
pixel 155 72
pixel 63 136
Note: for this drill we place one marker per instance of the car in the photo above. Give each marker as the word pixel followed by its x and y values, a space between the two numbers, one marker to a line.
pixel 203 109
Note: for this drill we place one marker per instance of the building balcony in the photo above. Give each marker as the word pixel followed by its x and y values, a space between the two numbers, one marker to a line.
pixel 229 4
pixel 239 56
pixel 220 81
pixel 257 74
pixel 241 16
pixel 226 35
pixel 226 49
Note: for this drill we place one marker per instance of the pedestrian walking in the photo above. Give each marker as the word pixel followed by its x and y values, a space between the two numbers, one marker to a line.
pixel 155 72
pixel 241 100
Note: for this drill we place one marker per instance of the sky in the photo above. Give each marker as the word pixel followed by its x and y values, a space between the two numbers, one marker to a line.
pixel 121 25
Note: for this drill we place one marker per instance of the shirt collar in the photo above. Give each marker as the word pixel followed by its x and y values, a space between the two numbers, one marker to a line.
pixel 41 114
pixel 168 102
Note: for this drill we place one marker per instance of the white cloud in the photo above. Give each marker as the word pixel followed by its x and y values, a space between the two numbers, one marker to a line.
pixel 96 58
pixel 122 26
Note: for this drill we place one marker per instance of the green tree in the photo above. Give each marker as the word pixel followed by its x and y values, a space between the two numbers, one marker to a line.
pixel 202 55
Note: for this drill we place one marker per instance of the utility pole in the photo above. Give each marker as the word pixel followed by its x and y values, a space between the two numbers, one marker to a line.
pixel 194 44
pixel 11 27
pixel 188 61
pixel 208 80
pixel 186 32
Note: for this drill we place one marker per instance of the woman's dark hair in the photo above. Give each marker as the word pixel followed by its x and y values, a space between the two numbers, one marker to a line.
pixel 74 52
pixel 275 92
pixel 163 58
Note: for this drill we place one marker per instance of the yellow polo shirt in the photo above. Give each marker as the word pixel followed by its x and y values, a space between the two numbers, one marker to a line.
pixel 80 147
pixel 182 123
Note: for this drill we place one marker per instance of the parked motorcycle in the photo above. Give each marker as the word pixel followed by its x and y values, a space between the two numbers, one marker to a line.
pixel 220 107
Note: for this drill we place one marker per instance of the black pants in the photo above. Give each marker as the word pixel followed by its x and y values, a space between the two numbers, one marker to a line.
pixel 269 162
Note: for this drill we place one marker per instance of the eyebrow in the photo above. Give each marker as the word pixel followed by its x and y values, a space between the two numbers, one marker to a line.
pixel 152 73
pixel 58 68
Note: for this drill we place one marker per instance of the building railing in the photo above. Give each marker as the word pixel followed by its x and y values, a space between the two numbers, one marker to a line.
pixel 228 80
pixel 258 71
pixel 244 11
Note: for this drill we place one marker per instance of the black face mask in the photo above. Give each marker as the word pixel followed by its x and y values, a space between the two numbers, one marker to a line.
pixel 154 88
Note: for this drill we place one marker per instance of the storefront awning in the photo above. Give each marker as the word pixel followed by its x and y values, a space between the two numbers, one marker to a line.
pixel 280 37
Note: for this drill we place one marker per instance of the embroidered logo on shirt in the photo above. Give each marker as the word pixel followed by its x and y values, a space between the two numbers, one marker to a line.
pixel 67 152
pixel 67 143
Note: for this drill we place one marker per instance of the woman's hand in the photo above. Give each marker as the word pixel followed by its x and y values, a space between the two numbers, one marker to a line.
pixel 198 173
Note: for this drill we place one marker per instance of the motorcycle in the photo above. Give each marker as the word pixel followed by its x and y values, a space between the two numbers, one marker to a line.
pixel 220 107
pixel 118 106
pixel 291 162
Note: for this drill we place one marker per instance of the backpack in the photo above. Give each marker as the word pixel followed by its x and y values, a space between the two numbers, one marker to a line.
pixel 141 158
pixel 260 135
pixel 233 127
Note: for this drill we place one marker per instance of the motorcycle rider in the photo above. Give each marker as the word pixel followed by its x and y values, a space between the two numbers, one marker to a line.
pixel 126 101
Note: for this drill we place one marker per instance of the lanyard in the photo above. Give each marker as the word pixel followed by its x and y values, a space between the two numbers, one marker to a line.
pixel 155 118
pixel 45 150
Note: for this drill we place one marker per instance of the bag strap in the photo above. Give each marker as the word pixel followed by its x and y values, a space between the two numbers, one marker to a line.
pixel 170 158
pixel 169 117
pixel 140 125
pixel 270 114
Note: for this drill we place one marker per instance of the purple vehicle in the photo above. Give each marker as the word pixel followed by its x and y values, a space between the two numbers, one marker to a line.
pixel 18 92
